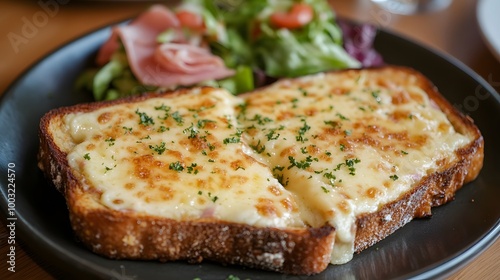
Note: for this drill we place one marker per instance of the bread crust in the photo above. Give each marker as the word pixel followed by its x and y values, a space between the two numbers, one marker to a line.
pixel 131 235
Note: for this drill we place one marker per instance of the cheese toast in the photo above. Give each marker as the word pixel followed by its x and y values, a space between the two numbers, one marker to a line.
pixel 288 178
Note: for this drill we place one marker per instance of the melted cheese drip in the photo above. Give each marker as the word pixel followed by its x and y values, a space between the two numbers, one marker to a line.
pixel 305 152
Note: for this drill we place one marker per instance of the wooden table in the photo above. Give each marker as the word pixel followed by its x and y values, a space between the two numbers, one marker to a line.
pixel 30 30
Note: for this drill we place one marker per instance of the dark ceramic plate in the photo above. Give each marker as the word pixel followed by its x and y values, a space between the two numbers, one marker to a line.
pixel 424 248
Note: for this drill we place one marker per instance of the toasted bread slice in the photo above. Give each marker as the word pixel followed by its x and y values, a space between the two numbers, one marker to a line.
pixel 166 177
pixel 288 178
pixel 365 150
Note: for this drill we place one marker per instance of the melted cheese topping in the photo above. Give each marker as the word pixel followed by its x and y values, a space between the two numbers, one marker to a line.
pixel 179 157
pixel 304 152
pixel 346 144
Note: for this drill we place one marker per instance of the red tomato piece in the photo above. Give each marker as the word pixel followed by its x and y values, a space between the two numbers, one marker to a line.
pixel 190 20
pixel 299 15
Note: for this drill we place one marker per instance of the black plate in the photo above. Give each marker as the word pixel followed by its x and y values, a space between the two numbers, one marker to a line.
pixel 422 249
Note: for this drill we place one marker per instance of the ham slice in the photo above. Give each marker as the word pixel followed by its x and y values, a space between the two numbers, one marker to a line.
pixel 165 65
pixel 187 64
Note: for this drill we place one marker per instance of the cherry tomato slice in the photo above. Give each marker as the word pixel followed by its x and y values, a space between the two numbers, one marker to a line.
pixel 299 15
pixel 190 20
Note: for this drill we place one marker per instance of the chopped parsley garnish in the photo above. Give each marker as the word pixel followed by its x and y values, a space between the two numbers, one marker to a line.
pixel 278 167
pixel 191 132
pixel 192 169
pixel 394 177
pixel 303 150
pixel 350 165
pixel 213 198
pixel 281 180
pixel 271 135
pixel 261 120
pixel 325 189
pixel 235 139
pixel 177 166
pixel 144 119
pixel 302 131
pixel 86 156
pixel 347 132
pixel 342 117
pixel 128 130
pixel 243 107
pixel 160 149
pixel 177 117
pixel 342 147
pixel 229 123
pixel 258 148
pixel 111 141
pixel 231 140
pixel 404 152
pixel 331 178
pixel 162 128
pixel 304 92
pixel 108 169
pixel 334 124
pixel 211 147
pixel 164 108
pixel 303 164
pixel 375 95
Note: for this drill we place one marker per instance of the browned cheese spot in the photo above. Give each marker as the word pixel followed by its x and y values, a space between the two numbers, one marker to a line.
pixel 274 190
pixel 399 115
pixel 343 206
pixel 373 192
pixel 400 97
pixel 104 117
pixel 285 115
pixel 266 208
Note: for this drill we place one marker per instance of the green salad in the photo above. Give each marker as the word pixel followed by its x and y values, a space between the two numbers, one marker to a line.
pixel 257 40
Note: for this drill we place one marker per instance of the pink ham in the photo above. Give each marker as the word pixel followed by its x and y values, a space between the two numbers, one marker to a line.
pixel 165 65
pixel 144 30
pixel 187 64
